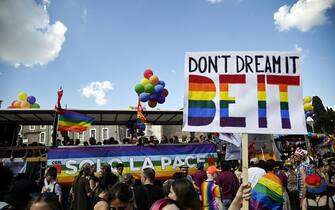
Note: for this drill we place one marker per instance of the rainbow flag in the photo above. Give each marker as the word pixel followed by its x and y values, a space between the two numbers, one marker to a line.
pixel 73 121
pixel 267 194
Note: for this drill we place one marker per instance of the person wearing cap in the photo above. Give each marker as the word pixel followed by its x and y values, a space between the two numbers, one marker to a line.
pixel 316 195
pixel 210 192
pixel 184 172
pixel 304 168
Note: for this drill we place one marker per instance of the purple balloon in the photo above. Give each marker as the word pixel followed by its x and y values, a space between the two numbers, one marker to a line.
pixel 144 97
pixel 31 99
pixel 161 82
pixel 161 99
pixel 153 97
pixel 159 89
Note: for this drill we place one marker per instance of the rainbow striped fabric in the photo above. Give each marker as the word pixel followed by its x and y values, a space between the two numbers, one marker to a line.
pixel 73 121
pixel 267 194
pixel 209 191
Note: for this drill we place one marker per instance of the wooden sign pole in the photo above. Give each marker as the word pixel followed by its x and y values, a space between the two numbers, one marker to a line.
pixel 245 166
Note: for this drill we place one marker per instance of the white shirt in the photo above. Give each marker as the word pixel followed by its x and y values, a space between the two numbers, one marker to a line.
pixel 254 173
pixel 53 186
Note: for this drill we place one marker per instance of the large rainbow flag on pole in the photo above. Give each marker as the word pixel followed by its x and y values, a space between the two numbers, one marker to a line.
pixel 267 194
pixel 73 121
pixel 70 120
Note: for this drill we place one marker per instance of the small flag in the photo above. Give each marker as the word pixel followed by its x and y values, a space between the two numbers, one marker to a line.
pixel 73 121
pixel 140 114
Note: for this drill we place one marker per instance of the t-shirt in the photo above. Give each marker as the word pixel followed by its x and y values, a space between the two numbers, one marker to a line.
pixel 146 195
pixel 209 191
pixel 52 187
pixel 199 177
pixel 228 182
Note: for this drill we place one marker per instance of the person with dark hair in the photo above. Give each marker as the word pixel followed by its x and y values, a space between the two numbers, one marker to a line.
pixel 51 185
pixel 6 177
pixel 121 197
pixel 107 181
pixel 147 193
pixel 44 203
pixel 228 182
pixel 330 176
pixel 81 189
pixel 119 169
pixel 165 204
pixel 316 196
pixel 183 192
pixel 177 175
pixel 200 175
pixel 77 142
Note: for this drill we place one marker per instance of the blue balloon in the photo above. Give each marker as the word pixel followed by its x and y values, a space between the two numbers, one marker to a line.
pixel 161 99
pixel 144 97
pixel 153 97
pixel 161 82
pixel 159 89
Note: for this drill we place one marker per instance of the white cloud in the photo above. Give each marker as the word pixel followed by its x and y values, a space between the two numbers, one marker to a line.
pixel 303 15
pixel 26 36
pixel 297 48
pixel 215 1
pixel 98 90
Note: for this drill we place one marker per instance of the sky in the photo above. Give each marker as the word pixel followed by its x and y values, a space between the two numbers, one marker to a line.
pixel 97 50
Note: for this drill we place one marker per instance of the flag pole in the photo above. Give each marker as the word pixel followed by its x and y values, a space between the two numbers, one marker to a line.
pixel 245 166
pixel 58 107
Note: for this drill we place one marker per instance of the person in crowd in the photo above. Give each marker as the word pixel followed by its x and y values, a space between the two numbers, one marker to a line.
pixel 304 168
pixel 6 177
pixel 184 172
pixel 77 142
pixel 119 169
pixel 121 197
pixel 183 192
pixel 210 192
pixel 166 187
pixel 165 204
pixel 243 193
pixel 175 140
pixel 330 176
pixel 81 189
pixel 85 143
pixel 92 141
pixel 21 153
pixel 228 182
pixel 129 180
pixel 316 195
pixel 147 193
pixel 255 171
pixel 200 175
pixel 164 140
pixel 177 175
pixel 44 203
pixel 268 192
pixel 93 180
pixel 107 181
pixel 51 185
pixel 184 139
pixel 292 188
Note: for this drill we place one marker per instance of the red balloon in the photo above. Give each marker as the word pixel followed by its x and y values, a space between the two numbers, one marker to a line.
pixel 165 92
pixel 148 73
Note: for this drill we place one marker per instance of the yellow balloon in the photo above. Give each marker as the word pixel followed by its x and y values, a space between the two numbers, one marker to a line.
pixel 22 96
pixel 25 104
pixel 308 107
pixel 144 81
pixel 307 99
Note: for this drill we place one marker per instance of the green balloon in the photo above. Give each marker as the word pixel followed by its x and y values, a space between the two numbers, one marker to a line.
pixel 149 88
pixel 35 106
pixel 139 88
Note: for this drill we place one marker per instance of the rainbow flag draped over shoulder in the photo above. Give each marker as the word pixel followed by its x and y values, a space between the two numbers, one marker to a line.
pixel 267 194
pixel 73 121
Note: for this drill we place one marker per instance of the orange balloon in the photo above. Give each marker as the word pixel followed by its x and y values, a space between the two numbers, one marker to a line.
pixel 17 104
pixel 25 104
pixel 153 79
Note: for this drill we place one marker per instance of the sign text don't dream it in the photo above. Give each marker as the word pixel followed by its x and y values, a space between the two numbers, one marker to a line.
pixel 249 92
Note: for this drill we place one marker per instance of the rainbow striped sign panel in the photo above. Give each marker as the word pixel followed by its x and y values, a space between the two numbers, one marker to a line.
pixel 165 159
pixel 244 92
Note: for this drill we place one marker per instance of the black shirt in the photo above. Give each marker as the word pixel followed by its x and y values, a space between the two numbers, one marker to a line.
pixel 146 195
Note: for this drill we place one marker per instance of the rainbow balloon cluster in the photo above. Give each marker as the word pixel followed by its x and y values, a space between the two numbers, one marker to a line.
pixel 24 102
pixel 151 89
pixel 308 107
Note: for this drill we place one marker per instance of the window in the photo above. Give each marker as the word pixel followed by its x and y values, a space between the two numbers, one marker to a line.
pixel 105 133
pixel 31 127
pixel 42 127
pixel 81 136
pixel 42 137
pixel 93 133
